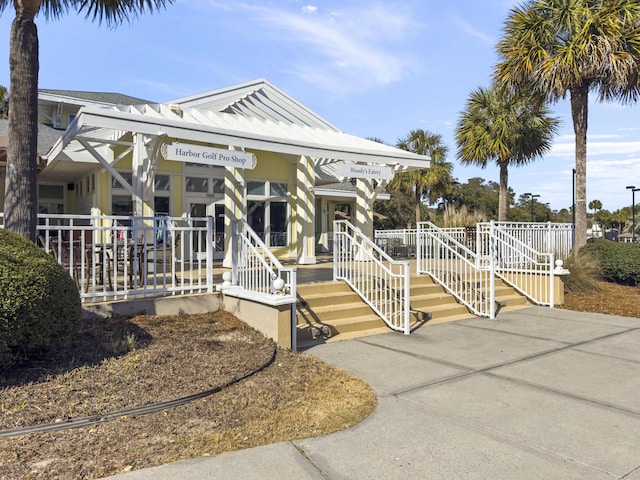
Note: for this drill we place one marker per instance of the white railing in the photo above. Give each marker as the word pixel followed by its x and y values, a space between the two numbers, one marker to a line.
pixel 518 263
pixel 466 275
pixel 257 275
pixel 547 237
pixel 255 272
pixel 124 257
pixel 397 243
pixel 383 283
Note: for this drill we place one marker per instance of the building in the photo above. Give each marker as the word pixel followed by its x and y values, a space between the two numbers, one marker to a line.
pixel 246 151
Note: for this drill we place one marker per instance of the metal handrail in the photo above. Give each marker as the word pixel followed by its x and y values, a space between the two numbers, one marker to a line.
pixel 469 277
pixel 519 264
pixel 381 282
pixel 255 268
pixel 258 275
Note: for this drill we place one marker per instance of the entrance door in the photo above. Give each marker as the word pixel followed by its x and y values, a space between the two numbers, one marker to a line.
pixel 198 242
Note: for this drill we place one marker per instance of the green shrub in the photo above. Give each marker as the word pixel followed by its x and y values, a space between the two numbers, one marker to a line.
pixel 585 272
pixel 620 262
pixel 39 302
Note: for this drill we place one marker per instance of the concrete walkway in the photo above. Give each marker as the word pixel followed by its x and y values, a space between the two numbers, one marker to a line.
pixel 535 394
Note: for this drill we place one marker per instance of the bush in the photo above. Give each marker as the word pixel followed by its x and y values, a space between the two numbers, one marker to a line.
pixel 39 302
pixel 585 272
pixel 620 262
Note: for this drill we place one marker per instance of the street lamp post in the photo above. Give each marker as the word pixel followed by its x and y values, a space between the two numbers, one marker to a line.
pixel 573 207
pixel 533 198
pixel 633 211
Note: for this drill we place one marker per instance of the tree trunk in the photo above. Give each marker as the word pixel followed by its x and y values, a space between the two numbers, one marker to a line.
pixel 20 203
pixel 503 201
pixel 579 113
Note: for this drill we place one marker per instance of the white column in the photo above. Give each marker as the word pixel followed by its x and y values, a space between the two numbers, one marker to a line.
pixel 139 165
pixel 305 212
pixel 235 206
pixel 324 225
pixel 364 206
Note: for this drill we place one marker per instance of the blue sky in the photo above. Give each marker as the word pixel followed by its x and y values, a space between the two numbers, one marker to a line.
pixel 373 69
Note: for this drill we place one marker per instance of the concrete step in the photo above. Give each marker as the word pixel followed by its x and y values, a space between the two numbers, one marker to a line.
pixel 337 327
pixel 331 311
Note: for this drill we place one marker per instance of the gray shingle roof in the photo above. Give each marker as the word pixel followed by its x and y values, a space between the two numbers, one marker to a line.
pixel 105 97
pixel 47 136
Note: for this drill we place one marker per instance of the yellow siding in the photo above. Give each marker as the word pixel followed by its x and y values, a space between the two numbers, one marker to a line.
pixel 271 166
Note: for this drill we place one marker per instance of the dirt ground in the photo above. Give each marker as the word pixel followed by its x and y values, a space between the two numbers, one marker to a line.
pixel 122 364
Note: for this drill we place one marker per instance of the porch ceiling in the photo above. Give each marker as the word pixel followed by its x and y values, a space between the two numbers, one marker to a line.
pixel 102 127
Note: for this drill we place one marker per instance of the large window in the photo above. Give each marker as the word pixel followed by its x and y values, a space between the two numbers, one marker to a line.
pixel 268 214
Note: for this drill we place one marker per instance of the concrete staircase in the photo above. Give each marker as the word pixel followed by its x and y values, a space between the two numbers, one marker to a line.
pixel 330 311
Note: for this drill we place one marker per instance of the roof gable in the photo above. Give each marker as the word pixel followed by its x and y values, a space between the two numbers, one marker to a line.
pixel 256 99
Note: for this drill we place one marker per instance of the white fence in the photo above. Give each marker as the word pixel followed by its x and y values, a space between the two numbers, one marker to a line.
pixel 461 271
pixel 555 238
pixel 383 283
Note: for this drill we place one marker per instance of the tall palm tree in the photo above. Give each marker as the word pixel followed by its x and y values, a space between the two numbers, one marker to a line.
pixel 574 47
pixel 20 206
pixel 428 183
pixel 4 102
pixel 505 125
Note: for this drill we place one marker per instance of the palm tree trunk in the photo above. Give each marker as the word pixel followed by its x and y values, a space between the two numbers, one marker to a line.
pixel 20 204
pixel 503 202
pixel 579 113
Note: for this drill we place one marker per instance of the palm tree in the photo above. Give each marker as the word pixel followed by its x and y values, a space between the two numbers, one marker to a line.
pixel 574 47
pixel 20 206
pixel 505 125
pixel 424 183
pixel 4 102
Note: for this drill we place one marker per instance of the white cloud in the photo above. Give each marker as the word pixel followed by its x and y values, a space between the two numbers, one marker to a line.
pixel 345 49
pixel 473 32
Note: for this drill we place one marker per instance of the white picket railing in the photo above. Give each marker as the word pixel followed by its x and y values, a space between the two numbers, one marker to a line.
pixel 113 257
pixel 255 272
pixel 383 283
pixel 544 237
pixel 466 275
pixel 518 264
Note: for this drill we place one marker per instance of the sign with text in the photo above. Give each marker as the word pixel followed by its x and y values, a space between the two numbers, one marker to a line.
pixel 353 170
pixel 220 157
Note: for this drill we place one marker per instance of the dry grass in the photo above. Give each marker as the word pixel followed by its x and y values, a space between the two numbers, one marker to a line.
pixel 610 298
pixel 296 396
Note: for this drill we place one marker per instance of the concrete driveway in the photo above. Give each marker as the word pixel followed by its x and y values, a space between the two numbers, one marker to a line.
pixel 537 393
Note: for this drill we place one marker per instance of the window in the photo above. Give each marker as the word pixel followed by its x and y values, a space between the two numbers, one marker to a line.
pixel 161 199
pixel 197 184
pixel 121 200
pixel 121 205
pixel 268 214
pixel 51 199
